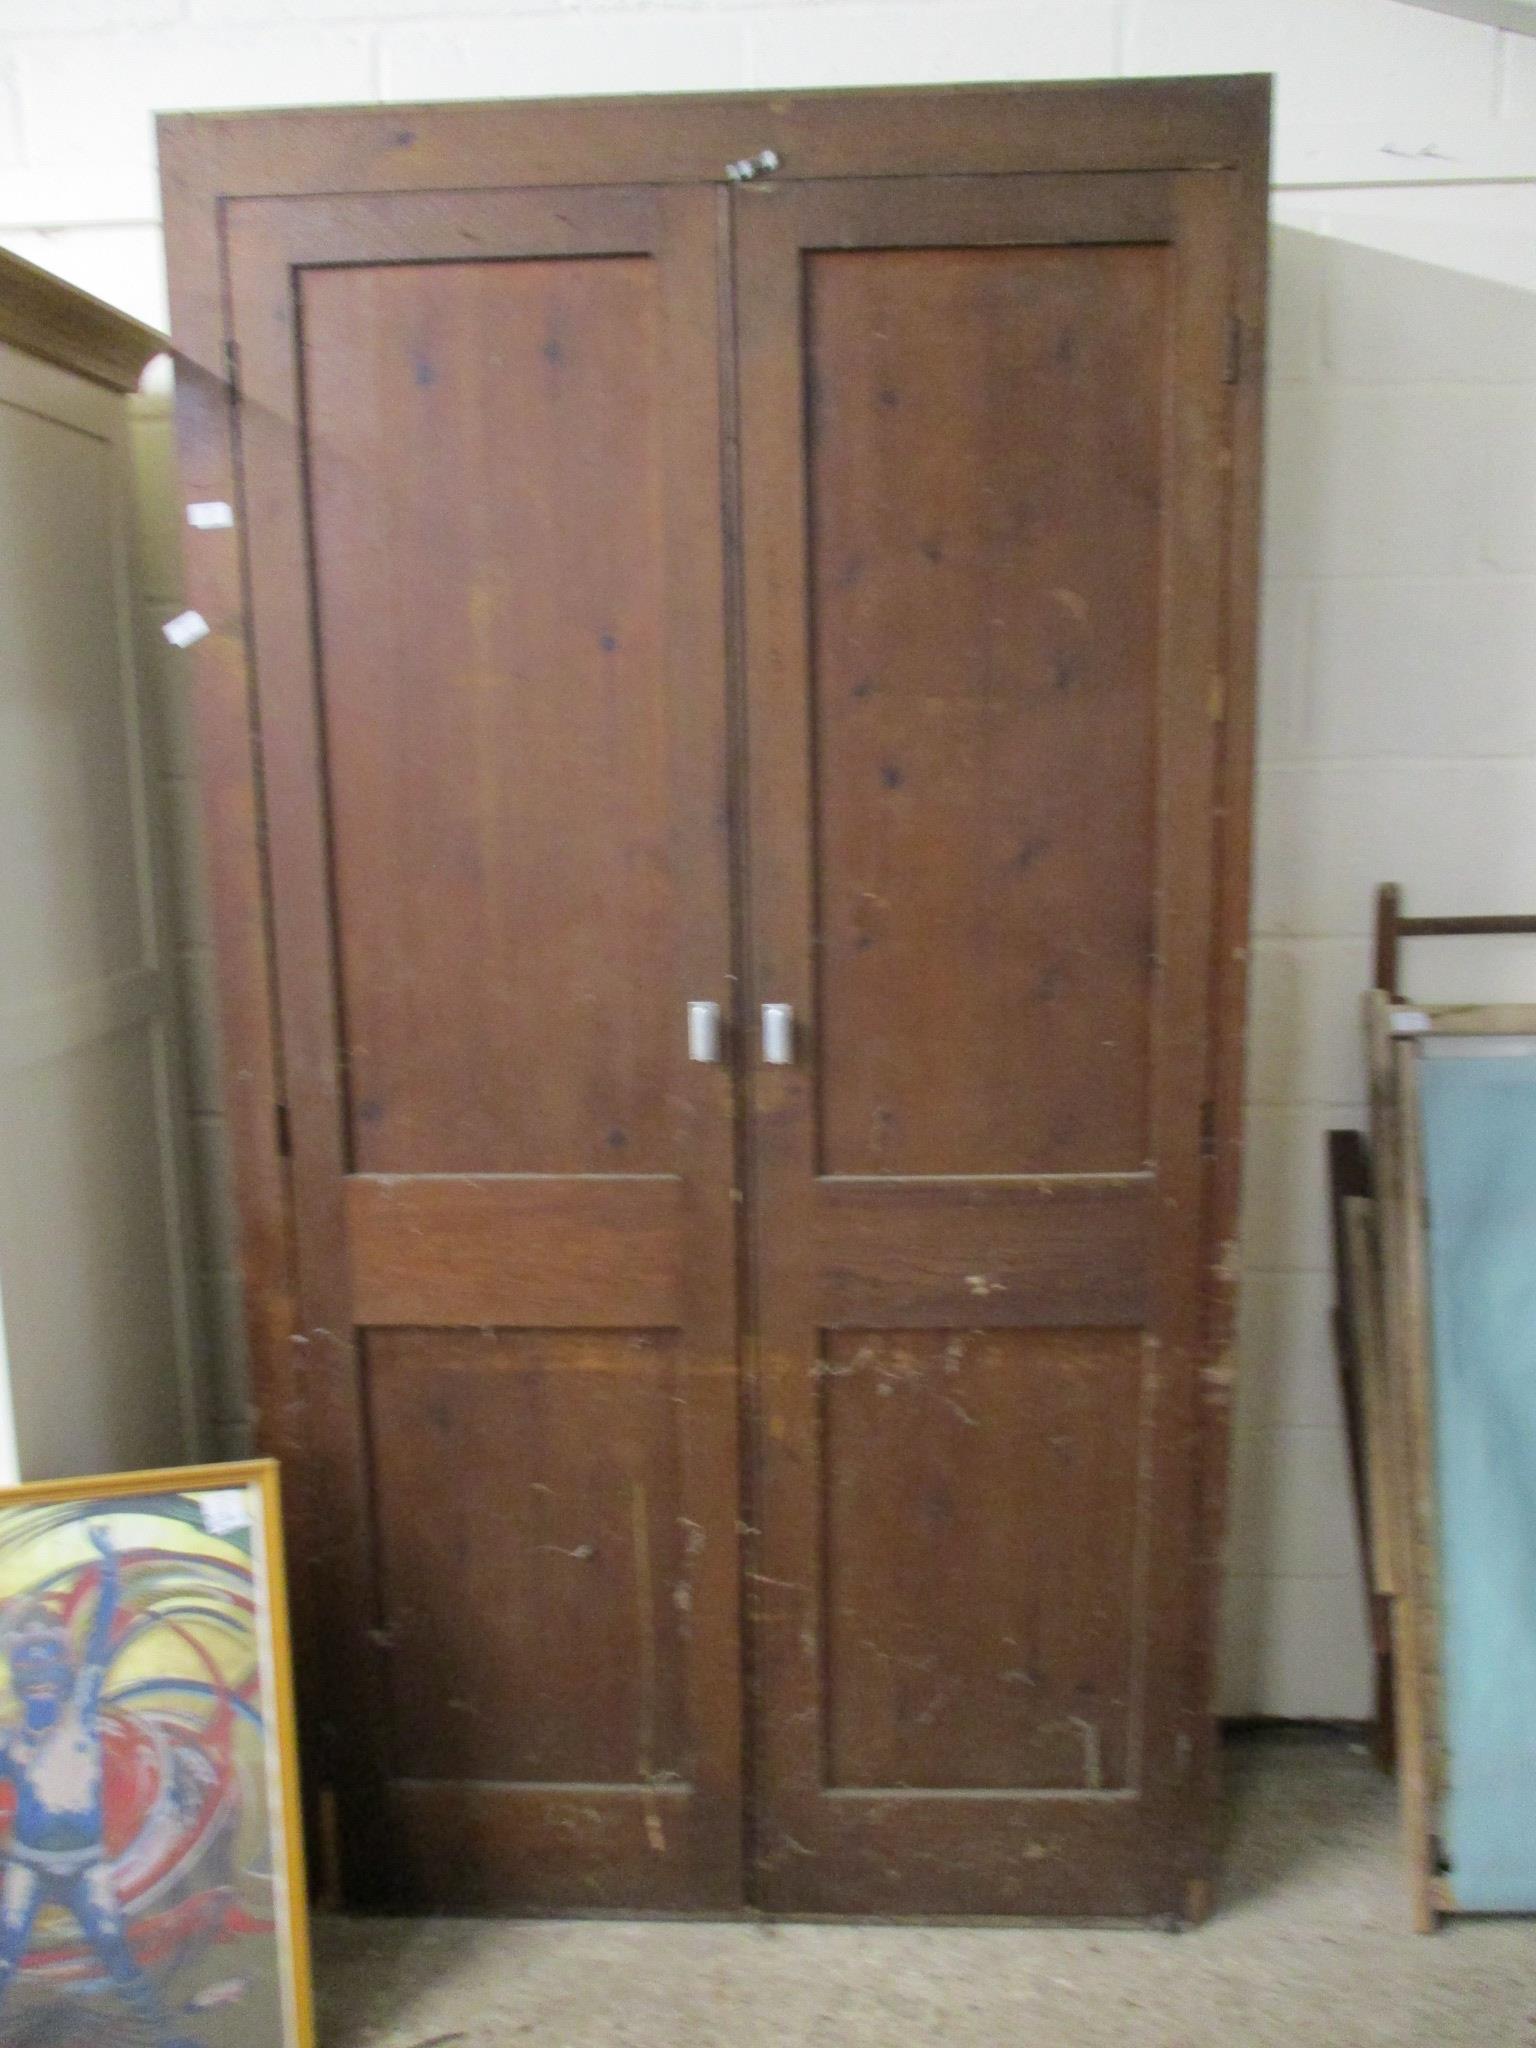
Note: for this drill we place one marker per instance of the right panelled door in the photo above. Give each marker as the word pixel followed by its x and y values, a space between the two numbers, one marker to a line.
pixel 985 461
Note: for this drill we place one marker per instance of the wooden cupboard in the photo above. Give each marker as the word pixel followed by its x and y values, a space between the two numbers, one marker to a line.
pixel 726 733
pixel 99 1330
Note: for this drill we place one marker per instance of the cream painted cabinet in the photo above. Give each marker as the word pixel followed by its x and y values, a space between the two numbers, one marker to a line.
pixel 96 1314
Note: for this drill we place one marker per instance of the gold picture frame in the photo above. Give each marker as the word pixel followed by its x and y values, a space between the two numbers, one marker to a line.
pixel 152 1881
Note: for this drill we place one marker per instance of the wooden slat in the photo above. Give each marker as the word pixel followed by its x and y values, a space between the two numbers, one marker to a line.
pixel 940 1254
pixel 59 324
pixel 1410 1622
pixel 1234 739
pixel 1119 208
pixel 1077 125
pixel 524 1251
pixel 1482 1020
pixel 1076 1854
pixel 478 1848
pixel 1375 1415
pixel 1419 1543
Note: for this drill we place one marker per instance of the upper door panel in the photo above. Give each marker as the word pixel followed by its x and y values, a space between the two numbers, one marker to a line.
pixel 484 446
pixel 986 452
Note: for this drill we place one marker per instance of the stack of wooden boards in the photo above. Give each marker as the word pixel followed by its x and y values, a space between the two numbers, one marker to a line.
pixel 1436 1239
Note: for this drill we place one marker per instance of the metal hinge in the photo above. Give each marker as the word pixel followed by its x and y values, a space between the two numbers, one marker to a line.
pixel 232 367
pixel 1207 1129
pixel 284 1130
pixel 1232 370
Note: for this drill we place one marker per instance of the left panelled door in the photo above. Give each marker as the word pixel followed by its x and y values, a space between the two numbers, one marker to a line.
pixel 480 448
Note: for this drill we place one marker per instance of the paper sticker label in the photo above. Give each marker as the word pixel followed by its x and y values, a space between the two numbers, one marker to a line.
pixel 1409 1023
pixel 224 1512
pixel 186 629
pixel 210 512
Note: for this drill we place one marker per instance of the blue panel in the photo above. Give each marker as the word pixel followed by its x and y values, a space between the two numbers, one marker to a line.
pixel 1480 1175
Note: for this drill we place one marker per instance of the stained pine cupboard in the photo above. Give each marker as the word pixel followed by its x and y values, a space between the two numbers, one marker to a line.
pixel 725 731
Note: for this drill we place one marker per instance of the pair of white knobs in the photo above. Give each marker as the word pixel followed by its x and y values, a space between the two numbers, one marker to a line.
pixel 746 168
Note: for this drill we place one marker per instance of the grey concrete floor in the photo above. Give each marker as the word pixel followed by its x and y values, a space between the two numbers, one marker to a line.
pixel 1310 1945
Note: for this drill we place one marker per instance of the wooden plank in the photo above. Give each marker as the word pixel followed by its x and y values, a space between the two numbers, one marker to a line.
pixel 1072 125
pixel 515 1251
pixel 1356 1323
pixel 1079 1855
pixel 1388 933
pixel 537 1577
pixel 1420 1552
pixel 57 322
pixel 487 721
pixel 1348 1175
pixel 1234 705
pixel 961 878
pixel 936 1254
pixel 1379 1459
pixel 1381 1481
pixel 1399 1231
pixel 1202 796
pixel 476 1848
pixel 1481 1020
pixel 957 1486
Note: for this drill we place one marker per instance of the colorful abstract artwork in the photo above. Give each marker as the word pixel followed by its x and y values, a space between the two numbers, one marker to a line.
pixel 151 1890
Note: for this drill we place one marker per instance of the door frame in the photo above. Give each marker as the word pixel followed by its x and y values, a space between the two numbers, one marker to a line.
pixel 210 160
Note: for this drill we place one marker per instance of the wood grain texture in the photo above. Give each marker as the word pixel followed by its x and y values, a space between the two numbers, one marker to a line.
pixel 1380 1453
pixel 623 1852
pixel 532 1253
pixel 1423 1757
pixel 45 317
pixel 986 470
pixel 991 1254
pixel 1412 1620
pixel 496 696
pixel 978 1609
pixel 265 198
pixel 1072 125
pixel 534 1579
pixel 1247 184
pixel 434 686
pixel 1161 500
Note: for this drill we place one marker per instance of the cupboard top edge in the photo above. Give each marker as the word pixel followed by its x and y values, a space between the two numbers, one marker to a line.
pixel 1072 124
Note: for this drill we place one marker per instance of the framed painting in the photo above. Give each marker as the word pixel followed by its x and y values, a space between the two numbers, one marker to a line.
pixel 151 1862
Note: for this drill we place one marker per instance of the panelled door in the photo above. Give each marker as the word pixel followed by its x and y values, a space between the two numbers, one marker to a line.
pixel 985 446
pixel 726 713
pixel 482 468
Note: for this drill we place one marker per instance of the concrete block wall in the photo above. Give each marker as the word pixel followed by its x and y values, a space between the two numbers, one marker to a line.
pixel 1398 696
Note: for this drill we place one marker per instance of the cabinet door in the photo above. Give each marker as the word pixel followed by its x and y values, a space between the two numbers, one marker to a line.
pixel 480 442
pixel 985 450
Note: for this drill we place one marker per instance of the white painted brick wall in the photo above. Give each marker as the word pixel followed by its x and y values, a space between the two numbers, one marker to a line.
pixel 1398 700
pixel 920 42
pixel 571 52
pixel 1334 60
